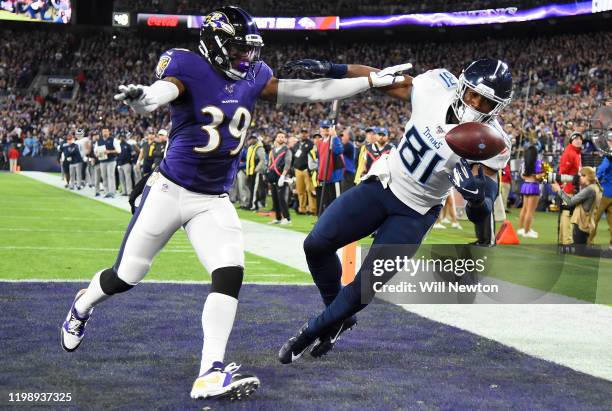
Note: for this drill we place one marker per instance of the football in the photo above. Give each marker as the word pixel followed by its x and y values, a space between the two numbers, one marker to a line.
pixel 475 141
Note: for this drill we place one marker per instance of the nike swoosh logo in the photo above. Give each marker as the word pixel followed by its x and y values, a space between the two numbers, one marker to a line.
pixel 471 191
pixel 295 357
pixel 333 340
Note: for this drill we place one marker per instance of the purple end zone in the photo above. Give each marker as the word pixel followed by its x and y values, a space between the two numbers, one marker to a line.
pixel 142 350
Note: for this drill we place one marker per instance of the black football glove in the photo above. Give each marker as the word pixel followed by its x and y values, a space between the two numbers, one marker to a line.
pixel 319 68
pixel 471 187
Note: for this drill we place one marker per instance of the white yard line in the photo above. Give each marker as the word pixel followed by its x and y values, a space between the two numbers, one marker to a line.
pixel 275 243
pixel 577 336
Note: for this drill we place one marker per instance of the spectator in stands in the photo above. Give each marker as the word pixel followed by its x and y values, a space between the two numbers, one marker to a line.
pixel 278 169
pixel 506 184
pixel 64 163
pixel 604 175
pixel 84 149
pixel 331 165
pixel 135 150
pixel 95 162
pixel 240 189
pixel 256 166
pixel 124 165
pixel 108 161
pixel 303 181
pixel 370 138
pixel 161 139
pixel 585 204
pixel 348 153
pixel 569 165
pixel 13 156
pixel 376 149
pixel 530 189
pixel 72 156
pixel 146 157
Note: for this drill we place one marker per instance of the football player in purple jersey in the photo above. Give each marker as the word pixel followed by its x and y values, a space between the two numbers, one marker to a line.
pixel 211 96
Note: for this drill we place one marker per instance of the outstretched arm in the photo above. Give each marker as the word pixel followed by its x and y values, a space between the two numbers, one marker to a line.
pixel 145 99
pixel 326 89
pixel 400 90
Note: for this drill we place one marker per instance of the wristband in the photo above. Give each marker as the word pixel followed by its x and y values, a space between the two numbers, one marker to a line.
pixel 338 70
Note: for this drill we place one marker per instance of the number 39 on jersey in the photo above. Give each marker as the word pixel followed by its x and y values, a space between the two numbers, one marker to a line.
pixel 237 128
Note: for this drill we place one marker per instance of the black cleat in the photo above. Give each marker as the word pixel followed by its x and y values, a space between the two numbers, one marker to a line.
pixel 295 347
pixel 324 344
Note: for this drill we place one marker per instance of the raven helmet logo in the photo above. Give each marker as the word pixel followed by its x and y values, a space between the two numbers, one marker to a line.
pixel 219 21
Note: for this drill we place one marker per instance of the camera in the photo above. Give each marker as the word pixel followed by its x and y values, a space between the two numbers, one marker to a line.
pixel 553 177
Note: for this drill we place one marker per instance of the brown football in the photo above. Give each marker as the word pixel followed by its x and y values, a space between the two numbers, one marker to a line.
pixel 475 141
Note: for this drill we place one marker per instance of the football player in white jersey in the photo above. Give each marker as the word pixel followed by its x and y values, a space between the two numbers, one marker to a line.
pixel 404 190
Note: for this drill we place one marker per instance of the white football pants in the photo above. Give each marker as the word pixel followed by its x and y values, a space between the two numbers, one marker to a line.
pixel 210 221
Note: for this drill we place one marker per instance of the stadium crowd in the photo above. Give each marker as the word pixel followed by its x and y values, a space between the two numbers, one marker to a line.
pixel 559 81
pixel 565 76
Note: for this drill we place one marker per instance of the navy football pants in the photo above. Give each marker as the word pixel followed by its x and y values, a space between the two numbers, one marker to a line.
pixel 355 214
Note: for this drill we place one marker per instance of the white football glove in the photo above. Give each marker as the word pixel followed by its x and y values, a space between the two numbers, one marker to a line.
pixel 135 96
pixel 388 76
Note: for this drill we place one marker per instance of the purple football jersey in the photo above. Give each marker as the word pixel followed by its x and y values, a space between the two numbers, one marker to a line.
pixel 209 121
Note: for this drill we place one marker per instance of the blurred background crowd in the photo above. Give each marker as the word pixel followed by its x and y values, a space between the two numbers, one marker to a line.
pixel 559 80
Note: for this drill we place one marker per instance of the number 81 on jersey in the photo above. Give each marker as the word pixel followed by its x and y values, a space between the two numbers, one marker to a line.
pixel 414 151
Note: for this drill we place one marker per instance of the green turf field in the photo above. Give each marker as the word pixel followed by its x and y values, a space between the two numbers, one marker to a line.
pixel 51 233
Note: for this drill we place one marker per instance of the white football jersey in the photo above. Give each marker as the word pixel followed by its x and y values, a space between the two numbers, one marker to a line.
pixel 418 170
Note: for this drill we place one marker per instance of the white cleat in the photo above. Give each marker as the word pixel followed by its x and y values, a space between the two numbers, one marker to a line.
pixel 439 226
pixel 457 226
pixel 531 234
pixel 223 382
pixel 73 329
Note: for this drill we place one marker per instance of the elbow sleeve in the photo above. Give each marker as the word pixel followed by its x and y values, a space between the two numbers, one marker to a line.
pixel 159 93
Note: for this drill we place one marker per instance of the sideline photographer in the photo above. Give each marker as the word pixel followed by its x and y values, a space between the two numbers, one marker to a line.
pixel 604 175
pixel 585 204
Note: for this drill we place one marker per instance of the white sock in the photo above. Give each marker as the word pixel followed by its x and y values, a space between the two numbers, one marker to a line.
pixel 91 297
pixel 217 322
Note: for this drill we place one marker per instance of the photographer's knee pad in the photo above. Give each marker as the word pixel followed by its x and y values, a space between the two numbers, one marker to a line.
pixel 227 280
pixel 111 283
